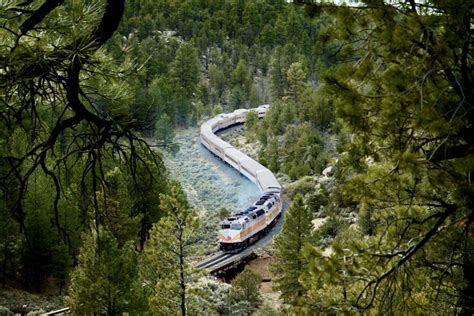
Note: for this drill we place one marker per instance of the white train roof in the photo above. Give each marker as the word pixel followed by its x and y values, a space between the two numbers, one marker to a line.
pixel 251 165
pixel 241 111
pixel 263 177
pixel 235 154
pixel 216 141
pixel 267 180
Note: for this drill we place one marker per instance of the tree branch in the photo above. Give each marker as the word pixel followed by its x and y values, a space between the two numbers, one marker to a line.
pixel 450 209
pixel 38 15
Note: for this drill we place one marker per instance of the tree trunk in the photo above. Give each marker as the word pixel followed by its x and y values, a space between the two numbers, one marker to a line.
pixel 182 281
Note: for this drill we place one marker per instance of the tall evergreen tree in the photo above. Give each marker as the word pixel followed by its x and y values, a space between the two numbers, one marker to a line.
pixel 242 82
pixel 296 77
pixel 281 60
pixel 217 81
pixel 289 261
pixel 185 69
pixel 166 267
pixel 164 132
pixel 105 280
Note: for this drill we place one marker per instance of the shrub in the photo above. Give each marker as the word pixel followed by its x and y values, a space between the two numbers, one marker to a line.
pixel 5 311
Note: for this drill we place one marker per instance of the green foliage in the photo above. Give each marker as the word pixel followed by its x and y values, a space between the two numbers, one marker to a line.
pixel 250 124
pixel 217 83
pixel 281 60
pixel 185 69
pixel 164 132
pixel 115 206
pixel 317 108
pixel 232 44
pixel 71 157
pixel 331 228
pixel 267 310
pixel 74 96
pixel 291 130
pixel 246 287
pixel 296 78
pixel 223 213
pixel 43 251
pixel 318 200
pixel 403 90
pixel 241 86
pixel 251 119
pixel 166 269
pixel 106 278
pixel 303 186
pixel 217 110
pixel 5 311
pixel 288 245
pixel 145 187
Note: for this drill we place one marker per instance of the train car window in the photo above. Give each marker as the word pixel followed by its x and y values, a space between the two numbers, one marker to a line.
pixel 260 212
pixel 254 216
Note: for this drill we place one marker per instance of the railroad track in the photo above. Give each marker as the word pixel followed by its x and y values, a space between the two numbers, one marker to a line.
pixel 214 260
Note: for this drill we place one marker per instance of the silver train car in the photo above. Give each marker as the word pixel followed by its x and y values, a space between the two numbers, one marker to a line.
pixel 245 227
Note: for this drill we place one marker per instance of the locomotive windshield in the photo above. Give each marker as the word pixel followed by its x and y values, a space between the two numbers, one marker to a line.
pixel 236 226
pixel 225 226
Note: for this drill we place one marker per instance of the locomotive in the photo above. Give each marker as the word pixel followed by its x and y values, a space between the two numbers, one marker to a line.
pixel 245 227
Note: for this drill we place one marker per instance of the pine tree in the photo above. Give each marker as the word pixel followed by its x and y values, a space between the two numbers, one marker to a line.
pixel 185 69
pixel 217 82
pixel 164 131
pixel 115 205
pixel 251 124
pixel 280 62
pixel 403 87
pixel 289 261
pixel 145 187
pixel 241 86
pixel 105 280
pixel 166 268
pixel 296 78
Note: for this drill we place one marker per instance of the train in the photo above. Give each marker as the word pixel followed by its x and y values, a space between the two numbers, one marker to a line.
pixel 243 228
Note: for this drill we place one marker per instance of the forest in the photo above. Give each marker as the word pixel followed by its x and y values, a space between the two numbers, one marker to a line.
pixel 378 92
